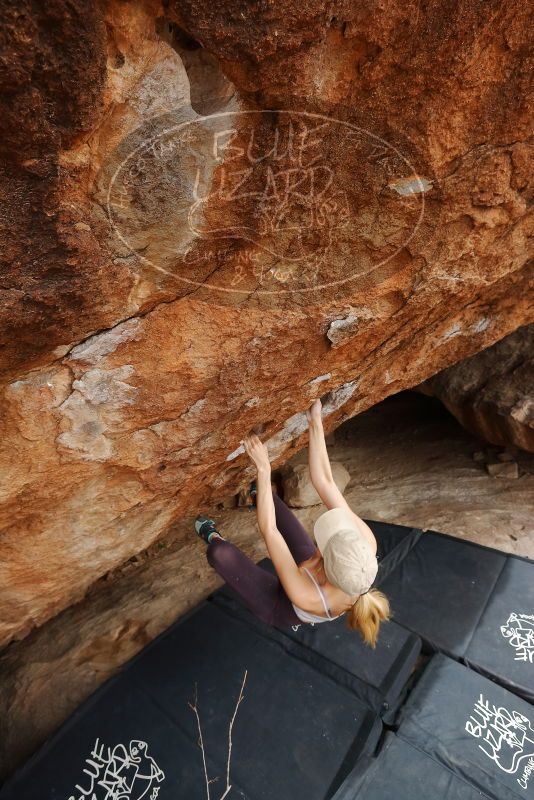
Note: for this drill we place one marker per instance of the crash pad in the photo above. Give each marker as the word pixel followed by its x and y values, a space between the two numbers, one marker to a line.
pixel 480 731
pixel 502 645
pixel 440 589
pixel 295 732
pixel 402 772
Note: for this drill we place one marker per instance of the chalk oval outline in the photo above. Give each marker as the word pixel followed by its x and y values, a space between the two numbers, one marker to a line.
pixel 299 290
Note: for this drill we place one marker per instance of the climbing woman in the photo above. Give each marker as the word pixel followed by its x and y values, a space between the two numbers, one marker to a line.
pixel 314 583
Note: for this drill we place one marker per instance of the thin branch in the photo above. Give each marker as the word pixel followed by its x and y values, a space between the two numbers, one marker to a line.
pixel 194 708
pixel 239 699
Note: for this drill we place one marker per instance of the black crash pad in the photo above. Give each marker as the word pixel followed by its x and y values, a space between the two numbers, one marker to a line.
pixel 480 731
pixel 503 643
pixel 440 589
pixel 473 603
pixel 377 677
pixel 391 537
pixel 402 772
pixel 296 732
pixel 118 738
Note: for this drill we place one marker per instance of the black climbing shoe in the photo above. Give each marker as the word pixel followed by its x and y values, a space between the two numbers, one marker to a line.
pixel 205 528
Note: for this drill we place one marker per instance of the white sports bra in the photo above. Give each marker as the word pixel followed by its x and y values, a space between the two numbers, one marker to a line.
pixel 306 616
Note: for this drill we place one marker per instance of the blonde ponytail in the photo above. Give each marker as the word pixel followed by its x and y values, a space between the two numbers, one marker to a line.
pixel 367 613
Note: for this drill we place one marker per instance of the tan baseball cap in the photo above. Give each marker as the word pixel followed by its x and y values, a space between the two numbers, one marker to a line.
pixel 349 562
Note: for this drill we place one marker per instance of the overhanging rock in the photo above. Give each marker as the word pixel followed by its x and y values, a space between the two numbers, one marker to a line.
pixel 217 215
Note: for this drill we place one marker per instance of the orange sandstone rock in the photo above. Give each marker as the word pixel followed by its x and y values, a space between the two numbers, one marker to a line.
pixel 218 212
pixel 492 393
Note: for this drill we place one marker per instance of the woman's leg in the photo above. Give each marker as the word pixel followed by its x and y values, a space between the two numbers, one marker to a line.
pixel 261 591
pixel 293 531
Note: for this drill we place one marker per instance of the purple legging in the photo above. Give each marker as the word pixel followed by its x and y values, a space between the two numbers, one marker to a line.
pixel 262 592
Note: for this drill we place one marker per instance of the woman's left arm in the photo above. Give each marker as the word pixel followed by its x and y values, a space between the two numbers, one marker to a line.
pixel 294 583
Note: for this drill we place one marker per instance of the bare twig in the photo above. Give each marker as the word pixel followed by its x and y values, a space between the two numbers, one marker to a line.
pixel 239 699
pixel 195 709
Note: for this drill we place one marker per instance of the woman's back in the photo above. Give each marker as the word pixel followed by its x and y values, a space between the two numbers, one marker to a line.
pixel 327 602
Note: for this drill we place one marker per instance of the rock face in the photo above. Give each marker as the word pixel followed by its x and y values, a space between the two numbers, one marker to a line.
pixel 492 393
pixel 181 263
pixel 299 491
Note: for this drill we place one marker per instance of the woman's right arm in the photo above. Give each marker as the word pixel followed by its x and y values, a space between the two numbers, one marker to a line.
pixel 321 473
pixel 319 463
